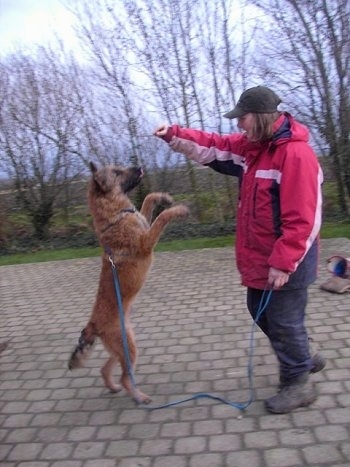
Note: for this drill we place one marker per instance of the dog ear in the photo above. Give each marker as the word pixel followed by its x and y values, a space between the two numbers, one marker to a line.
pixel 93 167
pixel 99 177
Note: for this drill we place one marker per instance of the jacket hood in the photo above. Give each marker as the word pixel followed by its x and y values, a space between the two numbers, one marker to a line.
pixel 287 128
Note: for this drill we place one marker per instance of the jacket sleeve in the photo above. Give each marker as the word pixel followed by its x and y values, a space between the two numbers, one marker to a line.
pixel 222 153
pixel 300 207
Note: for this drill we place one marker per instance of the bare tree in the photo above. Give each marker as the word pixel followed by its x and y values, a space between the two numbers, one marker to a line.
pixel 112 38
pixel 308 43
pixel 178 50
pixel 40 120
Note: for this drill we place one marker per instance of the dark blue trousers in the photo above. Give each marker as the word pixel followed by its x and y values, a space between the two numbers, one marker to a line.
pixel 283 323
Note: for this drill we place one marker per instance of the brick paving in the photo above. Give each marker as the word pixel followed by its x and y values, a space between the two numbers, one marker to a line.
pixel 193 333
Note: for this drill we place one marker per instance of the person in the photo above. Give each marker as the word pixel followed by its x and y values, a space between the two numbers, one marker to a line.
pixel 278 225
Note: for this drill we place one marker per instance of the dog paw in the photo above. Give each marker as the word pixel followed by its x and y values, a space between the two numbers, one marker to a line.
pixel 108 380
pixel 111 385
pixel 181 210
pixel 114 388
pixel 166 199
pixel 141 398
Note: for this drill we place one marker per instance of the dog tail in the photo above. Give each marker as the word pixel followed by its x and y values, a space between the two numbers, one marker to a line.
pixel 82 351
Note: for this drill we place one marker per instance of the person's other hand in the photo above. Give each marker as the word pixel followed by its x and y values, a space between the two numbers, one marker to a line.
pixel 277 278
pixel 161 130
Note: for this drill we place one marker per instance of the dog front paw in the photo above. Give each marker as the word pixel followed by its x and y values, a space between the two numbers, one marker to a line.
pixel 180 210
pixel 166 199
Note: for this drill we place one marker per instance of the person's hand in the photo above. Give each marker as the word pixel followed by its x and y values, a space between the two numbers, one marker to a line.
pixel 161 130
pixel 277 278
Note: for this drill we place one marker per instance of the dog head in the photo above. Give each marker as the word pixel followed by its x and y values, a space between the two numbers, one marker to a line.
pixel 115 178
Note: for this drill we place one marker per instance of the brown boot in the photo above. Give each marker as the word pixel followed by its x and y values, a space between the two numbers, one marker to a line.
pixel 299 392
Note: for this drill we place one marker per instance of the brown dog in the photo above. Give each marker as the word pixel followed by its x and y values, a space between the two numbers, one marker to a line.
pixel 128 237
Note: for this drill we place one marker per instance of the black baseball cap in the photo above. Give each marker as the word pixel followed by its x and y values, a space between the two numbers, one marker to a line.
pixel 259 100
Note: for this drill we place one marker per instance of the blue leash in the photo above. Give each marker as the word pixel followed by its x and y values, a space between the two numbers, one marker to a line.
pixel 265 298
pixel 122 320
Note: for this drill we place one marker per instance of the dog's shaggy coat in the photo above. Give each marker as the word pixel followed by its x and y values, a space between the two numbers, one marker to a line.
pixel 129 236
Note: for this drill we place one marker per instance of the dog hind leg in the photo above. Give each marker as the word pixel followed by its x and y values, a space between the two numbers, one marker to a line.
pixel 113 343
pixel 82 351
pixel 106 373
pixel 126 381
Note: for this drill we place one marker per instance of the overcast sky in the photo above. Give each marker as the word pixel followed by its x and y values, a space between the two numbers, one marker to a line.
pixel 27 22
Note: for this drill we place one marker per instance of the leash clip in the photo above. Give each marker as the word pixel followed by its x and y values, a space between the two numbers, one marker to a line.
pixel 109 252
pixel 110 259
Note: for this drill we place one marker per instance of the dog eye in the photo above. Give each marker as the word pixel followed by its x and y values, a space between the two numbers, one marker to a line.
pixel 117 172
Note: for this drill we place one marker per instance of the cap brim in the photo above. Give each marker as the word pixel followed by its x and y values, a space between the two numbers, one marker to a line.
pixel 237 112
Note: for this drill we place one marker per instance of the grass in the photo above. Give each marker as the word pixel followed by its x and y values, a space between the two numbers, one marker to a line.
pixel 195 243
pixel 75 253
pixel 335 230
pixel 329 230
pixel 49 255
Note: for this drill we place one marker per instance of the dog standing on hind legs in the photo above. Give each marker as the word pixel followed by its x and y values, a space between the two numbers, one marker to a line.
pixel 129 236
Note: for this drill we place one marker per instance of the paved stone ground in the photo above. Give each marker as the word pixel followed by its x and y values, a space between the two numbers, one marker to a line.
pixel 193 333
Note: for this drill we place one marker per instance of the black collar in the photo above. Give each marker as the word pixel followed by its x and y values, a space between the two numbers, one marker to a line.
pixel 132 210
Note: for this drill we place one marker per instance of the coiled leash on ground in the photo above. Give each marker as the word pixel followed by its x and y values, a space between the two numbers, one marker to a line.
pixel 241 406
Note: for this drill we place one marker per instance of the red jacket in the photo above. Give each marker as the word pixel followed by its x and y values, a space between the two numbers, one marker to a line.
pixel 279 207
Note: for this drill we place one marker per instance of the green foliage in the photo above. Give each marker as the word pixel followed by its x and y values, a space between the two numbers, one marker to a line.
pixel 330 200
pixel 77 215
pixel 19 218
pixel 336 229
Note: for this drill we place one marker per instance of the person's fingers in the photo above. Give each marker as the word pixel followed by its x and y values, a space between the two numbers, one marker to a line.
pixel 281 280
pixel 277 278
pixel 161 130
pixel 270 280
